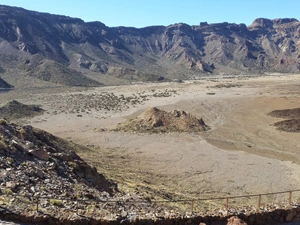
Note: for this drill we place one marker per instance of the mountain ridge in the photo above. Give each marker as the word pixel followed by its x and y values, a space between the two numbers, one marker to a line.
pixel 95 53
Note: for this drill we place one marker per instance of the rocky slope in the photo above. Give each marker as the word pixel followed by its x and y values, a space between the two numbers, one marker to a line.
pixel 16 110
pixel 69 51
pixel 36 163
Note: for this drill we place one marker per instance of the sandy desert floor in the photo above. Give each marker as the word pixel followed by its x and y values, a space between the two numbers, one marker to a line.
pixel 242 153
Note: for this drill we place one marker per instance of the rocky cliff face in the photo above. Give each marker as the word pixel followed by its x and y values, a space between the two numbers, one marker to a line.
pixel 69 51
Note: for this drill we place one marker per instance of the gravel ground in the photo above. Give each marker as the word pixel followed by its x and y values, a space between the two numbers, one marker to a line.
pixel 3 222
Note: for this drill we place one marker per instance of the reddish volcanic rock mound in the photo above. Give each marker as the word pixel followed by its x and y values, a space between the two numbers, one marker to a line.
pixel 156 120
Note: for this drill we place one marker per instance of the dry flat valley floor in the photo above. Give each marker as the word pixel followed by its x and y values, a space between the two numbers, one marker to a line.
pixel 242 153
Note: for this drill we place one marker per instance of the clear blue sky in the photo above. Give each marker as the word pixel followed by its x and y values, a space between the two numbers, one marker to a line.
pixel 141 13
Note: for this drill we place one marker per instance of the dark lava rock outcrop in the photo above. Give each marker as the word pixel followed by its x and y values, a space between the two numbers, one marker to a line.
pixel 291 122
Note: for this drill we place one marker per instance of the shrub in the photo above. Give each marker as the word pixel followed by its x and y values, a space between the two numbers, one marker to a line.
pixel 22 131
pixel 56 202
pixel 73 165
pixel 10 160
pixel 3 122
pixel 7 191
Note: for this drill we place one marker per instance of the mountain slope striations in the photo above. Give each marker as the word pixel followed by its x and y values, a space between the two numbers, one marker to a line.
pixel 69 51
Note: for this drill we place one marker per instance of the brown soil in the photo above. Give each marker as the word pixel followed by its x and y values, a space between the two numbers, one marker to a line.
pixel 159 121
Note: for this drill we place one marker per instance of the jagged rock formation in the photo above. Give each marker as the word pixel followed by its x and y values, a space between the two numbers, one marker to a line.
pixel 16 110
pixel 36 163
pixel 291 122
pixel 156 120
pixel 69 51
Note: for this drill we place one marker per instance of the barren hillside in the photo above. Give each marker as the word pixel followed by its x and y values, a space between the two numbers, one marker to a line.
pixel 36 162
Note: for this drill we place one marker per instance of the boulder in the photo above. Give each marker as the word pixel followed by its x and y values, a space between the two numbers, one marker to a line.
pixel 234 220
pixel 41 154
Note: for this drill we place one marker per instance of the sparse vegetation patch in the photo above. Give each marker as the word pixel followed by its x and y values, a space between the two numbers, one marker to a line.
pixel 81 104
pixel 227 85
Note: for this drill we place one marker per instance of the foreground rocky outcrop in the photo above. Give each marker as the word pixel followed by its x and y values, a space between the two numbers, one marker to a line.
pixel 41 174
pixel 155 120
pixel 68 51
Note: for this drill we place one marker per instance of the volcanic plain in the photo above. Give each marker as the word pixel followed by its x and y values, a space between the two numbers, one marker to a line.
pixel 241 153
